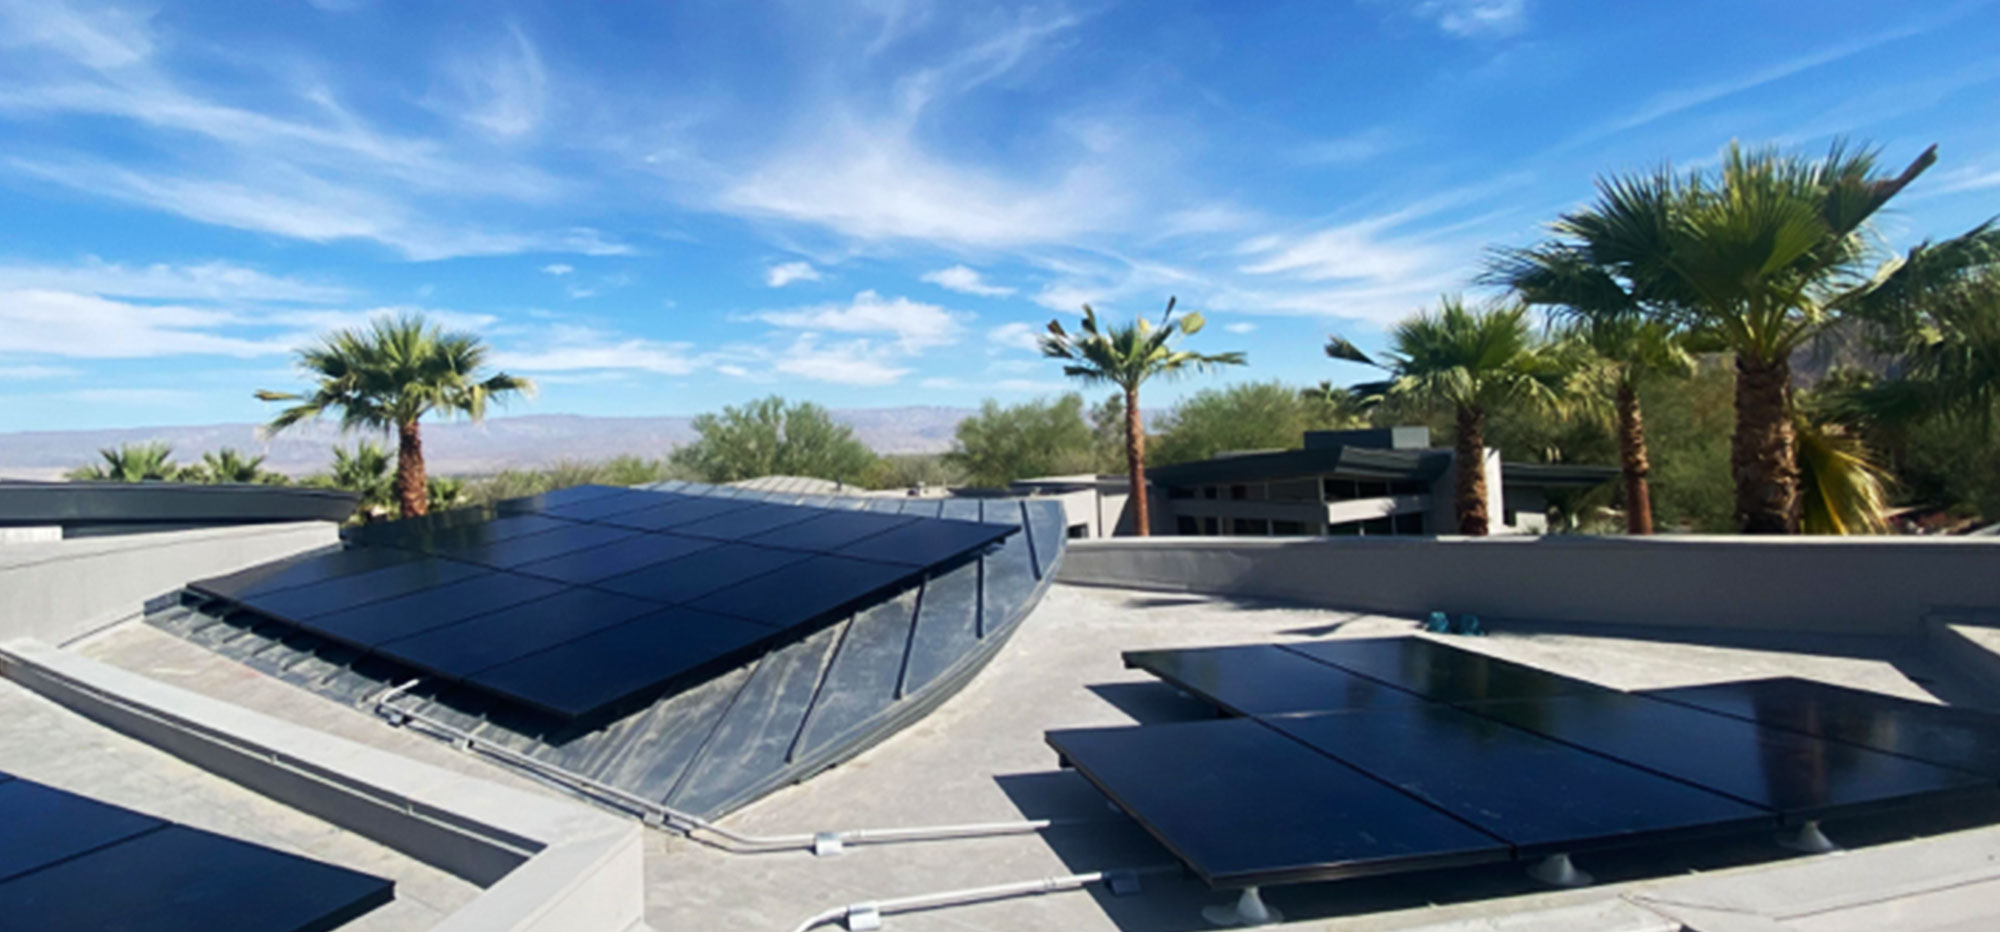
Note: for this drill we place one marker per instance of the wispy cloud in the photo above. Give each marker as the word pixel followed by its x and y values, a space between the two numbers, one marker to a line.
pixel 966 280
pixel 558 269
pixel 913 325
pixel 572 349
pixel 1467 19
pixel 785 273
pixel 207 281
pixel 81 326
pixel 30 373
pixel 502 91
pixel 1351 149
pixel 1015 336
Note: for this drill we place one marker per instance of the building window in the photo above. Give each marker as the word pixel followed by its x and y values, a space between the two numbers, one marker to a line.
pixel 1287 528
pixel 1179 491
pixel 1239 492
pixel 1209 491
pixel 1407 488
pixel 1186 526
pixel 1211 526
pixel 1343 529
pixel 1378 527
pixel 1250 527
pixel 1079 531
pixel 1412 523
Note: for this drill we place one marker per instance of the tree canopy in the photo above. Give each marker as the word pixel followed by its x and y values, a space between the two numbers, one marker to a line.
pixel 1045 437
pixel 772 437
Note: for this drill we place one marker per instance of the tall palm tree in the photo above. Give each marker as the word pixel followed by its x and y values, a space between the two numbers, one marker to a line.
pixel 1470 363
pixel 388 376
pixel 1755 258
pixel 1127 356
pixel 133 462
pixel 1937 314
pixel 1601 315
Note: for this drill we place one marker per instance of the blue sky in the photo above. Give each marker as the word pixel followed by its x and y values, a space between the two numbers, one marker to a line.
pixel 661 208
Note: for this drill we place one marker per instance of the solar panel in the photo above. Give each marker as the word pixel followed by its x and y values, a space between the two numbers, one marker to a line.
pixel 1540 795
pixel 623 661
pixel 68 862
pixel 1260 679
pixel 1797 775
pixel 461 649
pixel 535 598
pixel 1440 672
pixel 1244 805
pixel 1963 739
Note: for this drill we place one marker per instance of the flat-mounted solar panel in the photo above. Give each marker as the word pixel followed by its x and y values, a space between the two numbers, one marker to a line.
pixel 1440 672
pixel 1798 776
pixel 830 531
pixel 623 661
pixel 1264 679
pixel 371 624
pixel 673 514
pixel 180 879
pixel 1244 805
pixel 557 498
pixel 690 577
pixel 41 825
pixel 1540 795
pixel 72 863
pixel 466 598
pixel 919 542
pixel 802 591
pixel 300 571
pixel 749 522
pixel 616 558
pixel 464 648
pixel 1963 739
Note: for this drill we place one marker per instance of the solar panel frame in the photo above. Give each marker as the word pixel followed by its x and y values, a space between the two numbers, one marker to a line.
pixel 1440 672
pixel 1264 679
pixel 1958 738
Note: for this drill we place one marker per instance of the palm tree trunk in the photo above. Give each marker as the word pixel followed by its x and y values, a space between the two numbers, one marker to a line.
pixel 1470 455
pixel 1632 456
pixel 1762 458
pixel 411 491
pixel 1135 463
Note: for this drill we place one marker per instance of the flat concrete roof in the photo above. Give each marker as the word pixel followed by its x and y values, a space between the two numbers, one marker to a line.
pixel 981 758
pixel 45 742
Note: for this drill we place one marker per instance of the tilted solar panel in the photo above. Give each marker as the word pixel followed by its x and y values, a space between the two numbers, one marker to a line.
pixel 532 599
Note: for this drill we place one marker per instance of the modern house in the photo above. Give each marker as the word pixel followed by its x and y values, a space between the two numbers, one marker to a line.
pixel 1367 483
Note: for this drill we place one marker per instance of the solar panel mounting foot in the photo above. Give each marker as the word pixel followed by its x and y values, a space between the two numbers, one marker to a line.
pixel 1249 910
pixel 1122 883
pixel 863 916
pixel 828 844
pixel 1808 839
pixel 1556 870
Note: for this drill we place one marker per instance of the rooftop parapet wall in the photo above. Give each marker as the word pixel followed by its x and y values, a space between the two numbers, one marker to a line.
pixel 58 590
pixel 1879 586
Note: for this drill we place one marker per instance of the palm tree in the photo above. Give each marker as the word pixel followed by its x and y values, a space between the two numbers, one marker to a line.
pixel 1600 314
pixel 389 376
pixel 1937 315
pixel 229 465
pixel 1841 490
pixel 1470 363
pixel 1755 260
pixel 133 462
pixel 364 470
pixel 1126 356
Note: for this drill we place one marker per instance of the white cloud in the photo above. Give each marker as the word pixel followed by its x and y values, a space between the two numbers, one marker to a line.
pixel 503 91
pixel 579 292
pixel 1474 18
pixel 1350 149
pixel 558 269
pixel 1016 335
pixel 211 281
pixel 321 321
pixel 1244 327
pixel 28 373
pixel 81 326
pixel 913 324
pixel 785 273
pixel 967 280
pixel 573 349
pixel 1352 251
pixel 943 383
pixel 850 362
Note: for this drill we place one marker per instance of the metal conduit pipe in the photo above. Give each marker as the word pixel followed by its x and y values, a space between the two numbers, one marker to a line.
pixel 869 915
pixel 688 824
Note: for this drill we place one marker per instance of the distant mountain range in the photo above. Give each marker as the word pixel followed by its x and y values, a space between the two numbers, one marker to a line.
pixel 456 447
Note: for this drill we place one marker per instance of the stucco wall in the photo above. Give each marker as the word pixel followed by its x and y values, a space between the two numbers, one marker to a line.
pixel 1854 586
pixel 57 590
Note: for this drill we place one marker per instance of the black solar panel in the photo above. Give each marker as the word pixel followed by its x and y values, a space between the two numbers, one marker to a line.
pixel 1244 805
pixel 1540 763
pixel 1964 739
pixel 67 862
pixel 546 600
pixel 1264 679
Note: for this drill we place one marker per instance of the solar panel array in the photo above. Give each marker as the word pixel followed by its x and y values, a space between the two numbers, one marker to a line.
pixel 1361 756
pixel 578 600
pixel 67 862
